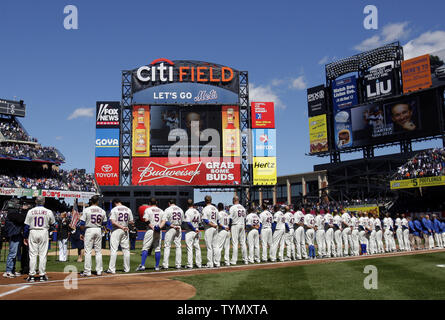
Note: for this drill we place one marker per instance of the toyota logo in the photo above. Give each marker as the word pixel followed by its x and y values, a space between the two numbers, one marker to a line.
pixel 107 168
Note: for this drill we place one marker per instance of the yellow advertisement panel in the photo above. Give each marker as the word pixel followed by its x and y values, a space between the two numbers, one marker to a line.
pixel 230 129
pixel 141 131
pixel 418 183
pixel 264 171
pixel 318 134
pixel 370 208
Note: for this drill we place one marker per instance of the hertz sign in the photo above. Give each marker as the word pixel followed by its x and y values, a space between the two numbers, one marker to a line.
pixel 264 171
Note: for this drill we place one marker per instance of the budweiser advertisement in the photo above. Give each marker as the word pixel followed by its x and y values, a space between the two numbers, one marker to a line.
pixel 186 171
pixel 107 171
pixel 263 115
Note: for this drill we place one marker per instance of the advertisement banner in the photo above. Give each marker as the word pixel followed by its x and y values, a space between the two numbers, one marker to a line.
pixel 264 142
pixel 141 131
pixel 186 171
pixel 231 132
pixel 374 209
pixel 263 115
pixel 108 114
pixel 67 194
pixel 18 192
pixel 316 100
pixel 106 171
pixel 264 171
pixel 379 83
pixel 107 142
pixel 318 134
pixel 344 93
pixel 417 183
pixel 416 74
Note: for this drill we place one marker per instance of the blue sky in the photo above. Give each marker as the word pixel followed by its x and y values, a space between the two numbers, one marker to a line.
pixel 282 44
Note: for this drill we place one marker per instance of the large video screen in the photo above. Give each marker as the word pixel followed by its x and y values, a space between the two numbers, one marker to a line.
pixel 396 119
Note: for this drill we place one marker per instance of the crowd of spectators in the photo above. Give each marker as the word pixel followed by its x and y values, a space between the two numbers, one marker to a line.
pixel 30 152
pixel 74 180
pixel 429 163
pixel 11 130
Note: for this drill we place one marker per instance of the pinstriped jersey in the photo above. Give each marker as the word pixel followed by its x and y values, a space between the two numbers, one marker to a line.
pixel 39 218
pixel 93 217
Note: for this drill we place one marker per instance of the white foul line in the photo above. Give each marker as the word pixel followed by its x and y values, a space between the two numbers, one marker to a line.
pixel 13 291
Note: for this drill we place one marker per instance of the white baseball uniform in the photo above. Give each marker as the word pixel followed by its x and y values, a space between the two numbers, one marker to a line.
pixel 372 236
pixel 123 216
pixel 39 220
pixel 346 233
pixel 289 236
pixel 387 233
pixel 266 220
pixel 278 236
pixel 174 216
pixel 253 238
pixel 93 217
pixel 223 238
pixel 338 235
pixel 329 234
pixel 152 238
pixel 193 217
pixel 355 236
pixel 309 222
pixel 210 213
pixel 320 235
pixel 399 233
pixel 362 226
pixel 392 239
pixel 405 232
pixel 379 235
pixel 238 215
pixel 300 241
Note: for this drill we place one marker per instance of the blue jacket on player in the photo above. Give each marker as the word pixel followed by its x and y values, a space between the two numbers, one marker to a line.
pixel 427 226
pixel 436 226
pixel 412 228
pixel 418 226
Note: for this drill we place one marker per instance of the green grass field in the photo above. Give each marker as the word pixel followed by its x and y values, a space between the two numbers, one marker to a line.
pixel 410 277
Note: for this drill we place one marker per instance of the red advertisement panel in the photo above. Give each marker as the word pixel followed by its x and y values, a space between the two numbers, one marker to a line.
pixel 106 171
pixel 186 171
pixel 263 115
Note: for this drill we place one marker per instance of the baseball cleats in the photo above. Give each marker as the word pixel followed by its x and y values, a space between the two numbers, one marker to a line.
pixel 30 279
pixel 8 275
pixel 110 272
pixel 43 278
pixel 140 268
pixel 188 267
pixel 84 274
pixel 178 267
pixel 157 269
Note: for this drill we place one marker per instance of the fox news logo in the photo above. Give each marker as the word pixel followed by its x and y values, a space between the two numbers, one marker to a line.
pixel 107 114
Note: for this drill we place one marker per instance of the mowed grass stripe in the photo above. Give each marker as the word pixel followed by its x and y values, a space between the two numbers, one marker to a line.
pixel 405 277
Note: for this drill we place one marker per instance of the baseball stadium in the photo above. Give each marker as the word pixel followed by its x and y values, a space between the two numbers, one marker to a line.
pixel 184 175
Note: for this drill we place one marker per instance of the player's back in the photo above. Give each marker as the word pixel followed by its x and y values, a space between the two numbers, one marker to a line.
pixel 153 215
pixel 174 215
pixel 266 219
pixel 210 213
pixel 237 214
pixel 223 218
pixel 122 215
pixel 39 218
pixel 93 217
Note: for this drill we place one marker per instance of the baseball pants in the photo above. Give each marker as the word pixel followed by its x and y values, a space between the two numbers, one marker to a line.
pixel 93 239
pixel 223 242
pixel 278 240
pixel 379 239
pixel 418 241
pixel 172 235
pixel 211 240
pixel 393 242
pixel 387 235
pixel 431 241
pixel 238 236
pixel 192 242
pixel 38 246
pixel 253 242
pixel 443 238
pixel 321 242
pixel 300 243
pixel 338 242
pixel 355 245
pixel 406 240
pixel 119 237
pixel 346 234
pixel 438 239
pixel 330 245
pixel 290 245
pixel 63 249
pixel 266 240
pixel 399 234
pixel 152 239
pixel 373 242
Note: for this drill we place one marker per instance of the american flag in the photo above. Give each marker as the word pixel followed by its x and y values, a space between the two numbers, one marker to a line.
pixel 75 216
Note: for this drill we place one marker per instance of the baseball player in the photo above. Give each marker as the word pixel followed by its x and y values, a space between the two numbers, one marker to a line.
pixel 399 233
pixel 320 235
pixel 266 220
pixel 405 232
pixel 355 248
pixel 210 219
pixel 223 238
pixel 346 233
pixel 172 219
pixel 437 232
pixel 300 241
pixel 362 223
pixel 338 234
pixel 237 215
pixel 253 237
pixel 329 234
pixel 387 232
pixel 120 217
pixel 309 226
pixel 37 223
pixel 391 238
pixel 442 228
pixel 192 220
pixel 372 235
pixel 289 240
pixel 93 218
pixel 152 238
pixel 378 234
pixel 279 229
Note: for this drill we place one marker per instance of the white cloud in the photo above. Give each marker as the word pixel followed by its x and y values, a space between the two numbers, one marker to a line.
pixel 59 138
pixel 391 32
pixel 323 60
pixel 427 42
pixel 298 83
pixel 82 112
pixel 265 94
